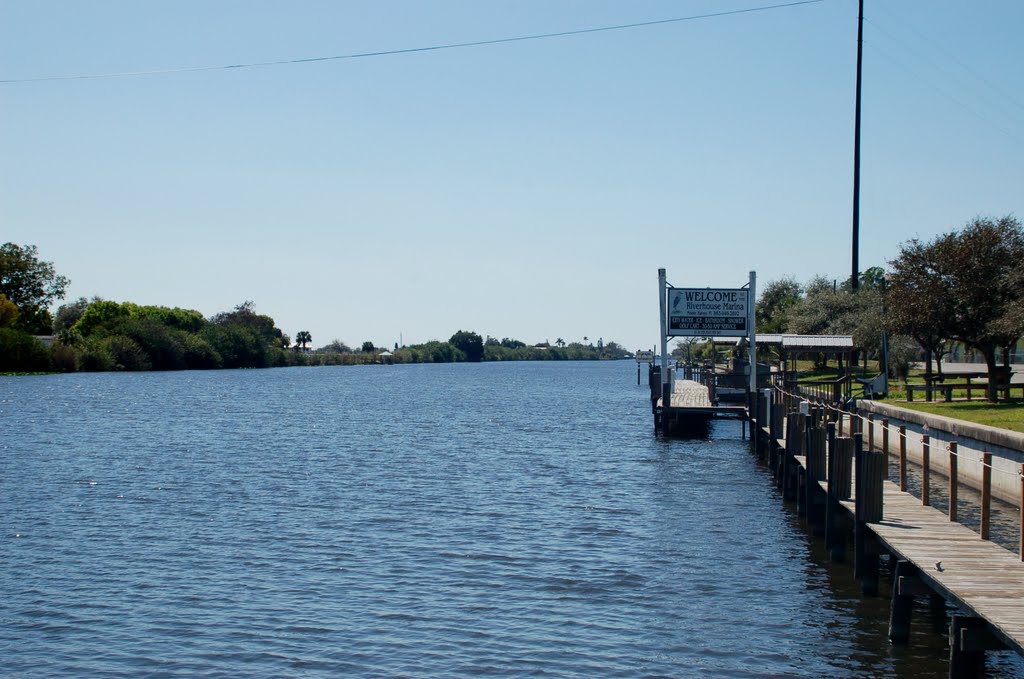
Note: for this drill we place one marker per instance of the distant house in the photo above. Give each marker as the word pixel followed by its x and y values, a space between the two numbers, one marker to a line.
pixel 386 357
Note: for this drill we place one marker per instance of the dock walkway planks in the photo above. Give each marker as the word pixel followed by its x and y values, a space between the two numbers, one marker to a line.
pixel 690 394
pixel 981 577
pixel 692 397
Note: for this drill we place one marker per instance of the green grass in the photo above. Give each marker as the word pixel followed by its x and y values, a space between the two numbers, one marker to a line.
pixel 1003 415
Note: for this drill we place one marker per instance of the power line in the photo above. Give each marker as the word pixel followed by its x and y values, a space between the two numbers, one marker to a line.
pixel 411 50
pixel 938 47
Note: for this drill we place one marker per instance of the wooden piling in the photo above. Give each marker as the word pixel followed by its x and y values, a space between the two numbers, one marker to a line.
pixel 903 457
pixel 841 478
pixel 816 471
pixel 986 493
pixel 965 661
pixel 926 469
pixel 870 467
pixel 830 498
pixel 885 442
pixel 953 481
pixel 839 487
pixel 871 431
pixel 903 580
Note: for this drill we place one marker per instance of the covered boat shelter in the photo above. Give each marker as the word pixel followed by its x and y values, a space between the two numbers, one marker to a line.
pixel 790 347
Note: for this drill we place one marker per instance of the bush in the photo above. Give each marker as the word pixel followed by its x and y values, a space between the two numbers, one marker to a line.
pixel 96 357
pixel 239 346
pixel 126 352
pixel 199 355
pixel 64 357
pixel 21 352
pixel 164 347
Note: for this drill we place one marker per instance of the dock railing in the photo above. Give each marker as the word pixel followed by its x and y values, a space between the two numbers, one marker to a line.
pixel 885 440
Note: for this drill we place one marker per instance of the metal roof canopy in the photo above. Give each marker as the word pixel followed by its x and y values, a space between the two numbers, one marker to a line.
pixel 832 343
pixel 824 343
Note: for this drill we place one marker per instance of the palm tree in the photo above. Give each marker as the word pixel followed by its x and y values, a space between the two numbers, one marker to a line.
pixel 302 338
pixel 560 342
pixel 585 339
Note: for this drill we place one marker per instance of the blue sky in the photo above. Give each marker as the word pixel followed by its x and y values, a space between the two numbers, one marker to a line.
pixel 527 189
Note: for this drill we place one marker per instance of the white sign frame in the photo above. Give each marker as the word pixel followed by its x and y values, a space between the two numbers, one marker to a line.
pixel 707 312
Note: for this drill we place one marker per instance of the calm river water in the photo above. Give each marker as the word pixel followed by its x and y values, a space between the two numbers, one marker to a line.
pixel 433 520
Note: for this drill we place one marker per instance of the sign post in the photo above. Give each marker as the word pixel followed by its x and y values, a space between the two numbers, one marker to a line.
pixel 665 396
pixel 752 336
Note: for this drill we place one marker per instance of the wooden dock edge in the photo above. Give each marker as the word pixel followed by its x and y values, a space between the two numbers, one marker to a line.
pixel 944 561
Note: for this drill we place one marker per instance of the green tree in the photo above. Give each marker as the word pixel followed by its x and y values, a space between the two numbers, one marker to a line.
pixel 773 304
pixel 31 284
pixel 69 314
pixel 245 315
pixel 101 314
pixel 980 265
pixel 302 338
pixel 367 347
pixel 336 347
pixel 917 301
pixel 872 278
pixel 826 310
pixel 470 344
pixel 8 312
pixel 21 352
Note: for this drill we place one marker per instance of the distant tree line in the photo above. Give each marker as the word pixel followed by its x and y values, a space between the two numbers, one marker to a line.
pixel 103 335
pixel 965 286
pixel 471 347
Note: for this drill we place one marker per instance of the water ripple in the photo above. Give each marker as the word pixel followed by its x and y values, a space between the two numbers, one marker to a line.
pixel 500 519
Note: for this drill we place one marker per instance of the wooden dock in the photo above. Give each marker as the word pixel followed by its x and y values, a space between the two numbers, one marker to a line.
pixel 690 409
pixel 842 490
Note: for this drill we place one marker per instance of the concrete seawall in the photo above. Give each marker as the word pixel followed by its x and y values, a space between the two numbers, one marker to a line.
pixel 1007 447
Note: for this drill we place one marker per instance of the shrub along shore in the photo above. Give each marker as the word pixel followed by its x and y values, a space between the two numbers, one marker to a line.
pixel 106 336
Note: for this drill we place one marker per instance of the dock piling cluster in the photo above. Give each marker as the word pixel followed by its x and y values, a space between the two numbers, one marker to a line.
pixel 822 459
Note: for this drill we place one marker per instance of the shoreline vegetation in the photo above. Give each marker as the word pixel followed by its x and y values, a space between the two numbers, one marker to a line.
pixel 103 336
pixel 100 335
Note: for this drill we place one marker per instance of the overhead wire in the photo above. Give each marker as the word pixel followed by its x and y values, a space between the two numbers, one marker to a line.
pixel 412 50
pixel 939 48
pixel 919 77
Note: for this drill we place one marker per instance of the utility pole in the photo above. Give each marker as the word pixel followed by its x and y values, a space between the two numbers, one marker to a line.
pixel 855 276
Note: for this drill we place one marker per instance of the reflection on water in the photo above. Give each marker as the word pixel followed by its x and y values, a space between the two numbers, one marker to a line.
pixel 407 520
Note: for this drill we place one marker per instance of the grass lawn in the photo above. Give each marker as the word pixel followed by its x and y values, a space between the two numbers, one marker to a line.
pixel 1003 415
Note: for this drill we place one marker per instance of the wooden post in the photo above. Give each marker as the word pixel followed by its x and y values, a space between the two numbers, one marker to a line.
pixel 903 458
pixel 816 471
pixel 844 461
pixel 839 487
pixel 871 431
pixel 953 483
pixel 964 661
pixel 774 419
pixel 986 493
pixel 902 602
pixel 867 509
pixel 926 469
pixel 885 441
pixel 1022 512
pixel 833 534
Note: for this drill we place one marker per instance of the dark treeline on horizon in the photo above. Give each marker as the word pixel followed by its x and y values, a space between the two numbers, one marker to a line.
pixel 102 335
